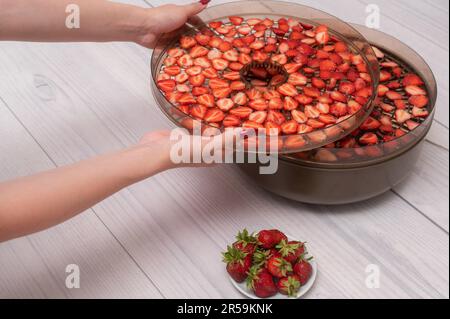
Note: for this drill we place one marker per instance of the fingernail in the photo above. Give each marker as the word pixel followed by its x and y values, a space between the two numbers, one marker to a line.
pixel 204 2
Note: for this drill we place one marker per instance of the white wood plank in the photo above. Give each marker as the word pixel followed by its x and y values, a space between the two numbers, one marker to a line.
pixel 34 266
pixel 191 218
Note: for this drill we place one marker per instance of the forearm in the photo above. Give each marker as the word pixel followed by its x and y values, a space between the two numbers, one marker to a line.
pixel 45 20
pixel 37 202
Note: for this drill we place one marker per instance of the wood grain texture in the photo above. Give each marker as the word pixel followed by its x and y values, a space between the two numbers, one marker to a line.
pixel 78 100
pixel 34 266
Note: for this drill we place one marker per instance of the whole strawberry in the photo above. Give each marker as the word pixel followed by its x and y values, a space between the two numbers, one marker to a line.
pixel 303 270
pixel 270 238
pixel 245 242
pixel 261 282
pixel 289 285
pixel 291 251
pixel 279 267
pixel 238 263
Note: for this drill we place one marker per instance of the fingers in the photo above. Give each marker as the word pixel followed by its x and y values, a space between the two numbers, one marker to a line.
pixel 194 8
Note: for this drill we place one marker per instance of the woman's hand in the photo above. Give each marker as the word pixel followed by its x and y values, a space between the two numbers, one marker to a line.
pixel 165 19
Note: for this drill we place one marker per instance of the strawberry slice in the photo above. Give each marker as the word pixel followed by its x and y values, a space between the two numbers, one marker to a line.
pixel 225 104
pixel 412 125
pixel 289 127
pixel 252 125
pixel 338 96
pixel 311 112
pixel 370 124
pixel 215 24
pixel 303 99
pixel 185 61
pixel 275 117
pixel 235 66
pixel 202 39
pixel 258 104
pixel 187 42
pixel 385 76
pixel 402 116
pixel 415 90
pixel 318 83
pixel 197 80
pixel 311 91
pixel 187 98
pixel 175 52
pixel 214 116
pixel 297 79
pixel 419 112
pixel 322 35
pixel 199 111
pixel 206 99
pixel 299 116
pixel 181 78
pixel 316 124
pixel 347 87
pixel 368 139
pixel 287 89
pixel 339 109
pixel 323 108
pixel 236 20
pixel 254 94
pixel 260 56
pixel 244 30
pixel 210 73
pixel 327 119
pixel 392 95
pixel 412 79
pixel 275 103
pixel 167 85
pixel 304 129
pixel 221 93
pixel 279 58
pixel 199 90
pixel 198 51
pixel 400 104
pixel 237 86
pixel 419 101
pixel 220 64
pixel 232 75
pixel 272 128
pixel 240 98
pixel 231 55
pixel 258 117
pixel 244 58
pixel 183 88
pixel 218 84
pixel 327 65
pixel 290 103
pixel 294 142
pixel 242 112
pixel 215 42
pixel 194 70
pixel 202 62
pixel 231 121
pixel 172 70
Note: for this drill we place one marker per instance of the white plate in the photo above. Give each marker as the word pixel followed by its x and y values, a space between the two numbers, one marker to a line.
pixel 242 287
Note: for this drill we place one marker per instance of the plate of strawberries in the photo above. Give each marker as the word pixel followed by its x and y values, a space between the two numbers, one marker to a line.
pixel 270 265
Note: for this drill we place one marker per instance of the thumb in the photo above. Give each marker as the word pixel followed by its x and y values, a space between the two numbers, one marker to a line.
pixel 194 8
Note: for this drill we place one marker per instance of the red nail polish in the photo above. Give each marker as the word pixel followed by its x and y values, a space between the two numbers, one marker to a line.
pixel 204 2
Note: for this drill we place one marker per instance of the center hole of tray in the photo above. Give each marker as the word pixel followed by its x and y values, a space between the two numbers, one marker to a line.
pixel 264 74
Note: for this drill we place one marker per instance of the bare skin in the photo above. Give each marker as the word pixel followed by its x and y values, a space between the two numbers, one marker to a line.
pixel 37 202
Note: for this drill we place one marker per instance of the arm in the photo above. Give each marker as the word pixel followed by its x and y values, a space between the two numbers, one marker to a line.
pixel 100 21
pixel 33 203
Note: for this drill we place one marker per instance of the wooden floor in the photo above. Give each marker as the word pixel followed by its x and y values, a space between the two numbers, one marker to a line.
pixel 162 238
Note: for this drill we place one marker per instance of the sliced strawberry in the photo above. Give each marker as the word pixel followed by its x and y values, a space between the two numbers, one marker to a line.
pixel 293 142
pixel 202 62
pixel 327 119
pixel 175 52
pixel 198 51
pixel 221 93
pixel 290 103
pixel 187 98
pixel 260 56
pixel 368 139
pixel 206 99
pixel 385 76
pixel 240 98
pixel 322 35
pixel 231 121
pixel 231 55
pixel 370 124
pixel 272 128
pixel 275 103
pixel 347 87
pixel 412 124
pixel 279 58
pixel 275 117
pixel 236 20
pixel 235 66
pixel 197 80
pixel 419 101
pixel 215 42
pixel 242 112
pixel 210 73
pixel 289 127
pixel 311 92
pixel 183 88
pixel 187 42
pixel 311 112
pixel 202 39
pixel 194 70
pixel 220 64
pixel 338 96
pixel 181 78
pixel 402 116
pixel 287 89
pixel 392 95
pixel 419 112
pixel 258 117
pixel 215 24
pixel 214 115
pixel 244 30
pixel 244 58
pixel 163 76
pixel 303 99
pixel 412 79
pixel 185 61
pixel 299 116
pixel 327 65
pixel 254 94
pixel 258 104
pixel 218 84
pixel 415 90
pixel 172 70
pixel 237 86
pixel 225 104
pixel 400 104
pixel 323 108
pixel 318 83
pixel 199 111
pixel 252 125
pixel 339 109
pixel 304 129
pixel 297 79
pixel 167 85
